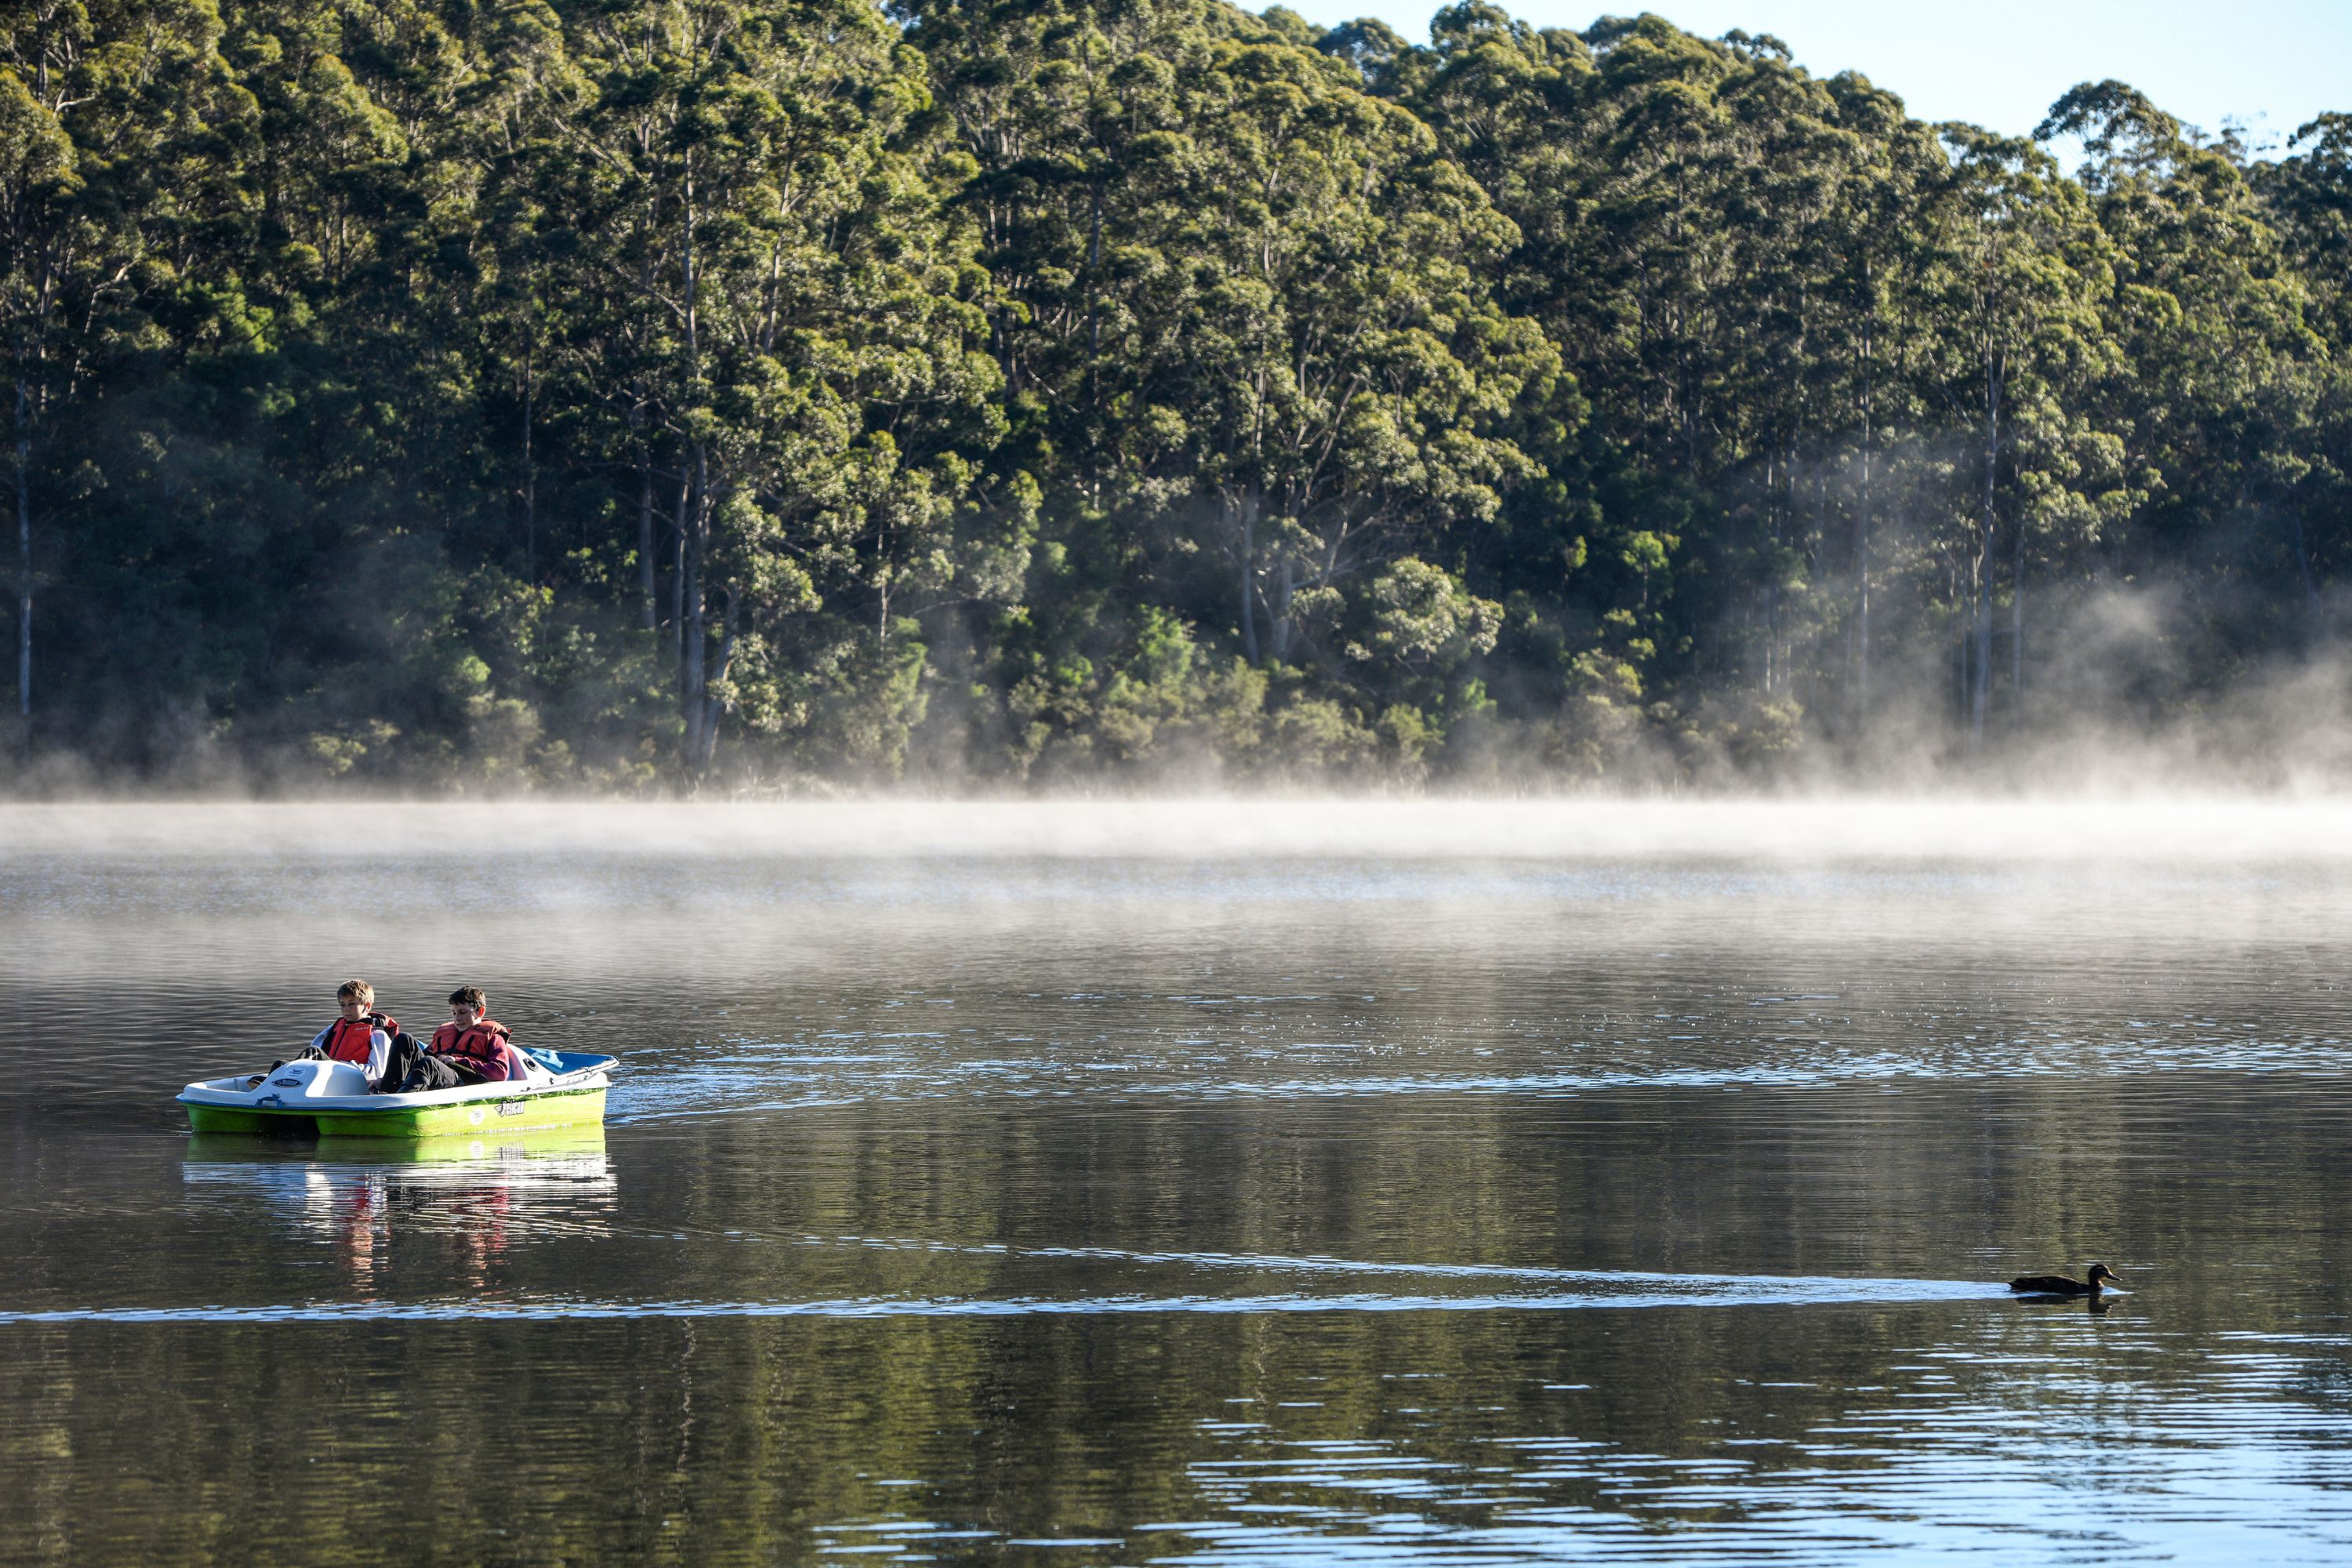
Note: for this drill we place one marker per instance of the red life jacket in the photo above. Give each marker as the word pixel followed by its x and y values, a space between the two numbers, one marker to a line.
pixel 350 1042
pixel 482 1046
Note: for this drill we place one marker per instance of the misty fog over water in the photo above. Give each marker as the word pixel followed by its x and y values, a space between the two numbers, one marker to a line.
pixel 1220 1182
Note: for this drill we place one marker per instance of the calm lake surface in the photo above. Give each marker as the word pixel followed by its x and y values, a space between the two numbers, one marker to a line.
pixel 1360 1188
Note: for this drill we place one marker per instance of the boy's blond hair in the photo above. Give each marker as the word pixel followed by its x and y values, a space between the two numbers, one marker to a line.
pixel 359 990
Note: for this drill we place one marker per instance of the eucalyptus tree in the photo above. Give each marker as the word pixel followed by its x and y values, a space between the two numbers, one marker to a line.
pixel 112 121
pixel 1878 319
pixel 1235 285
pixel 511 121
pixel 1785 189
pixel 744 176
pixel 2220 370
pixel 545 390
pixel 2024 268
pixel 1355 380
pixel 2308 199
pixel 1691 215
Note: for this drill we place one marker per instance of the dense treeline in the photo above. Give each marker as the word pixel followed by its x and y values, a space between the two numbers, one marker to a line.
pixel 635 393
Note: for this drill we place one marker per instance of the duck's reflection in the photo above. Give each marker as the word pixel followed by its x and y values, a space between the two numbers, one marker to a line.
pixel 480 1194
pixel 2098 1306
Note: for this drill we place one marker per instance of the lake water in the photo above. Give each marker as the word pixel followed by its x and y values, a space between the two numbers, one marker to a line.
pixel 1449 1184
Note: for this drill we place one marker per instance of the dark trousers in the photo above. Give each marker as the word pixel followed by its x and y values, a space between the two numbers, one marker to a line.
pixel 410 1068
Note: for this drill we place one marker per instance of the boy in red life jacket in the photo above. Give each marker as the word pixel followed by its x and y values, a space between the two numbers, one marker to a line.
pixel 361 1037
pixel 469 1049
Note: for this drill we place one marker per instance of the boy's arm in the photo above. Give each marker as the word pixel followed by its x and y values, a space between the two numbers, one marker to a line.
pixel 379 1054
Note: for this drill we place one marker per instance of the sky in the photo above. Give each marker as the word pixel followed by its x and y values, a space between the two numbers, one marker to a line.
pixel 2271 64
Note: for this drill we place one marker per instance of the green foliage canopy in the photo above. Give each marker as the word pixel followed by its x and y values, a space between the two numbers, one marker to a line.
pixel 637 395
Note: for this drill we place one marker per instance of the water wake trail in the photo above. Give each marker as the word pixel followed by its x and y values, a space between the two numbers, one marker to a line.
pixel 1629 1290
pixel 1276 1262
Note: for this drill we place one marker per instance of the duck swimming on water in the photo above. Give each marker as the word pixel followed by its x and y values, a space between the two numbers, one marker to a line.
pixel 2099 1277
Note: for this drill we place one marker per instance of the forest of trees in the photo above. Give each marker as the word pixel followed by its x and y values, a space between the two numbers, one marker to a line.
pixel 653 396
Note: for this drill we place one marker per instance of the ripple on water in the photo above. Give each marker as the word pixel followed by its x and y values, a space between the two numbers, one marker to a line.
pixel 1262 1210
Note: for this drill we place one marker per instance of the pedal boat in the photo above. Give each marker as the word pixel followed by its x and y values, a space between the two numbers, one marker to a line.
pixel 330 1100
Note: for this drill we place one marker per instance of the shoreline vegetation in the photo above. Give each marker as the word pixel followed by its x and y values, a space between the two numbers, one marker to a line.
pixel 605 397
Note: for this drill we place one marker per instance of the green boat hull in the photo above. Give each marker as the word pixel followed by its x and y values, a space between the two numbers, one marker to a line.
pixel 472 1119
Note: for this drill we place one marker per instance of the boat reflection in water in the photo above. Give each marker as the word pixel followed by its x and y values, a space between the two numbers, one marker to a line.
pixel 479 1195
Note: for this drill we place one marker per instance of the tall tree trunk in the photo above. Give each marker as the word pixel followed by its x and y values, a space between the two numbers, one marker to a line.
pixel 1862 541
pixel 1980 688
pixel 24 555
pixel 1094 286
pixel 1282 615
pixel 697 546
pixel 646 532
pixel 1963 624
pixel 1249 564
pixel 697 627
pixel 529 474
pixel 678 526
pixel 714 708
pixel 1816 545
pixel 2303 566
pixel 1980 655
pixel 2017 629
pixel 1774 476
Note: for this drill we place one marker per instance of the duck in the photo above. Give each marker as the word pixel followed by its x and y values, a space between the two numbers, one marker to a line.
pixel 2097 1279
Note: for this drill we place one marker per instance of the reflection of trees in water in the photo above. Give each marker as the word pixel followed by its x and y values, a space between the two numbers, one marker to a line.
pixel 607 1447
pixel 760 1439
